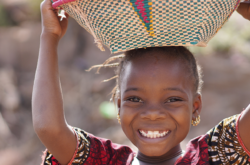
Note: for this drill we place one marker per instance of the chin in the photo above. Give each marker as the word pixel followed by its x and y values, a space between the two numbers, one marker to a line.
pixel 153 151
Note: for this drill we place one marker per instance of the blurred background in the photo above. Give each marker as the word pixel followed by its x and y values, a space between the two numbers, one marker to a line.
pixel 225 62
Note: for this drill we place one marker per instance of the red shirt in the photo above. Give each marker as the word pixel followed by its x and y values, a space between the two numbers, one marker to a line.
pixel 221 145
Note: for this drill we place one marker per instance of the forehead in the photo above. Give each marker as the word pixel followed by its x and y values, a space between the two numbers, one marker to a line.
pixel 156 71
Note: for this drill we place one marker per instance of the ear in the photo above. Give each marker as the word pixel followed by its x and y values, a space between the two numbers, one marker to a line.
pixel 119 104
pixel 197 105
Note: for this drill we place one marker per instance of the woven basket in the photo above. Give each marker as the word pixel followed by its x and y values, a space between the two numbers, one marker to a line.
pixel 123 25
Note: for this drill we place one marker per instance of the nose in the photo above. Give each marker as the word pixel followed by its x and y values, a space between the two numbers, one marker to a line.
pixel 153 113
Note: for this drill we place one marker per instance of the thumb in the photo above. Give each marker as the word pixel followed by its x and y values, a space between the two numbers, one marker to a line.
pixel 64 25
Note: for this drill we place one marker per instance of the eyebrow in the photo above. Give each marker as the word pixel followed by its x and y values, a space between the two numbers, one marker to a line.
pixel 167 89
pixel 174 89
pixel 132 89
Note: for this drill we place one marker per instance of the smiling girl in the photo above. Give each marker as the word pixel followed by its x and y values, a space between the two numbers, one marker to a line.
pixel 158 98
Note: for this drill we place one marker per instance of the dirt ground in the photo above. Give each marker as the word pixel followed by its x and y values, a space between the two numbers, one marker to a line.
pixel 225 93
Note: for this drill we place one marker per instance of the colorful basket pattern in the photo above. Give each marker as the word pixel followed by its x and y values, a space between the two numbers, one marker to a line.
pixel 123 25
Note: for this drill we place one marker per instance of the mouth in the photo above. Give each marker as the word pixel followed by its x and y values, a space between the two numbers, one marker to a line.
pixel 153 134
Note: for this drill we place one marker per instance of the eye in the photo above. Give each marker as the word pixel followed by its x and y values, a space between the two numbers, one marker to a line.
pixel 134 99
pixel 173 99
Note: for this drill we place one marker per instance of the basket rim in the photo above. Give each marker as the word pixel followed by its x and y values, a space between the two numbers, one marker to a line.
pixel 57 3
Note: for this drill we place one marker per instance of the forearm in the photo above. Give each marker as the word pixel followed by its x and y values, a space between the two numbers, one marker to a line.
pixel 47 101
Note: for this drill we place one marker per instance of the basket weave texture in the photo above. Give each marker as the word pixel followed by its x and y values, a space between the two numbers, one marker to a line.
pixel 123 25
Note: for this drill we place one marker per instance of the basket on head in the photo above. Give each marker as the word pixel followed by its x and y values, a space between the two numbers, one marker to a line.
pixel 123 25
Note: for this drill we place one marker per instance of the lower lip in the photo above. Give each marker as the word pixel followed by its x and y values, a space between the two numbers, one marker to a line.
pixel 153 140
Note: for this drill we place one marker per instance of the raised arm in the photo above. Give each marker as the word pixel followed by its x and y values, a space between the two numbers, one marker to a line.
pixel 244 123
pixel 244 128
pixel 244 9
pixel 47 102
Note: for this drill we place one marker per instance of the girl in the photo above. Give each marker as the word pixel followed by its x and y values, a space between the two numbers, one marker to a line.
pixel 158 97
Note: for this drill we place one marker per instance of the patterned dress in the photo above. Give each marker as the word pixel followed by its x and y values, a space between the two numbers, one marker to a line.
pixel 221 145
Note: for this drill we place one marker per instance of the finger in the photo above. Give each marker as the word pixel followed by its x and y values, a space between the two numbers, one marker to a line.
pixel 46 5
pixel 48 2
pixel 67 15
pixel 56 11
pixel 245 1
pixel 64 23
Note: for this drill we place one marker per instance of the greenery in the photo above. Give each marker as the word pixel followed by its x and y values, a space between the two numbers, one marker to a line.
pixel 4 21
pixel 108 110
pixel 35 8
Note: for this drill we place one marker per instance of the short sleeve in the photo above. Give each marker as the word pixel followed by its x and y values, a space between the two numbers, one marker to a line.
pixel 221 145
pixel 94 150
pixel 224 143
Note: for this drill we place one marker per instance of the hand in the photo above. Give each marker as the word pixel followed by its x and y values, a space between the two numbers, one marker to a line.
pixel 51 22
pixel 244 9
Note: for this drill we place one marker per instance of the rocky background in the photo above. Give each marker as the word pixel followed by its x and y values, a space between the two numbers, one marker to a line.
pixel 225 62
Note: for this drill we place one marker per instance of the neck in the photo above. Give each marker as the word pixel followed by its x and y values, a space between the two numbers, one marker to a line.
pixel 170 156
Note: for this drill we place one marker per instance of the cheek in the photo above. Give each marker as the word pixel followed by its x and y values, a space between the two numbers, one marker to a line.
pixel 183 121
pixel 128 111
pixel 127 119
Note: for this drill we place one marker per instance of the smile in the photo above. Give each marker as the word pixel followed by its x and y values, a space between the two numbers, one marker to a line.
pixel 153 134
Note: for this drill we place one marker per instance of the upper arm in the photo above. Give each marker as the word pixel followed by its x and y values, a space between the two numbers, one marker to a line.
pixel 62 144
pixel 244 127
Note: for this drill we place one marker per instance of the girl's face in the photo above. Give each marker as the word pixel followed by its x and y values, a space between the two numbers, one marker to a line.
pixel 157 103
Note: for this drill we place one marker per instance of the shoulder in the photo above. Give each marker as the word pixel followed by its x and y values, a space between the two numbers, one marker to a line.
pixel 95 150
pixel 220 145
pixel 227 124
pixel 224 145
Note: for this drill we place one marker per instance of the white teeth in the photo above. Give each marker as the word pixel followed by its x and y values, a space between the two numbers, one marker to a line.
pixel 153 134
